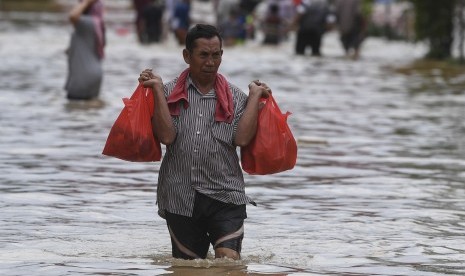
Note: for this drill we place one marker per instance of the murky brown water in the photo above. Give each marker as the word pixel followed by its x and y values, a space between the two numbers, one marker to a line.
pixel 379 186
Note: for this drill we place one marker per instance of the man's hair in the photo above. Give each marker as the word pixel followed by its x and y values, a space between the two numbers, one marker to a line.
pixel 201 31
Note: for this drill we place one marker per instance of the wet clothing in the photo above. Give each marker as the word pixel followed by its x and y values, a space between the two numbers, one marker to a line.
pixel 203 157
pixel 213 222
pixel 85 71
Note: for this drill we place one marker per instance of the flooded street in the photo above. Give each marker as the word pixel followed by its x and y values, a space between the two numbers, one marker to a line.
pixel 378 189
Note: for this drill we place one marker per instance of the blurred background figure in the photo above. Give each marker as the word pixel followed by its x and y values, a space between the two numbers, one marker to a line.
pixel 233 29
pixel 139 7
pixel 152 19
pixel 181 20
pixel 311 22
pixel 247 8
pixel 273 25
pixel 351 25
pixel 86 51
pixel 391 19
pixel 168 16
pixel 286 13
pixel 236 20
pixel 223 10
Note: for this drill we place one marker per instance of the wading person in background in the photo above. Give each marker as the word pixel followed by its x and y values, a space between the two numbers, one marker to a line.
pixel 202 118
pixel 149 24
pixel 351 25
pixel 153 22
pixel 311 19
pixel 181 20
pixel 85 53
pixel 273 26
pixel 140 6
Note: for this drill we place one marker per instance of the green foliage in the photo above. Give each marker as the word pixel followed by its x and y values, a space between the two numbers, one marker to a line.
pixel 434 23
pixel 367 7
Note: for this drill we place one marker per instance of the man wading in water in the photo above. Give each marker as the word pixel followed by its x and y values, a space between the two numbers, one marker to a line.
pixel 202 118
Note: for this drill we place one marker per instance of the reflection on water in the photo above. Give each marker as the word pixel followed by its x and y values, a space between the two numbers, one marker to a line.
pixel 378 188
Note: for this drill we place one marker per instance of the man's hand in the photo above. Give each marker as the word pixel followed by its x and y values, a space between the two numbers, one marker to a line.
pixel 151 80
pixel 259 89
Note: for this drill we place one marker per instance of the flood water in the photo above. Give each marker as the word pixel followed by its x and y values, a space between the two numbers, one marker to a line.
pixel 378 189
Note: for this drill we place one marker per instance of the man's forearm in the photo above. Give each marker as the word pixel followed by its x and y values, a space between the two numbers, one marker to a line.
pixel 247 126
pixel 162 124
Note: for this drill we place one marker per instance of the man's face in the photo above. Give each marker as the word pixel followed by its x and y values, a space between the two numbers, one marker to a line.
pixel 205 59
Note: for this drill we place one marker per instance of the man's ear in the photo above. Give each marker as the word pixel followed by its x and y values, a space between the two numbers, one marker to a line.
pixel 186 56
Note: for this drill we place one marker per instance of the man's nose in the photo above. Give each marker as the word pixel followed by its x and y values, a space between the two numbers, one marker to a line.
pixel 210 60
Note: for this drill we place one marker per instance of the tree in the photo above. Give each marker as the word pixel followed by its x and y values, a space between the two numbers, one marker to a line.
pixel 435 23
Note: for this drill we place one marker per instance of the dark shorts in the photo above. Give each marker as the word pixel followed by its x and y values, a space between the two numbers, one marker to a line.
pixel 213 222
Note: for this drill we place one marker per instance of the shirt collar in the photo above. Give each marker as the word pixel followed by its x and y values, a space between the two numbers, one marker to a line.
pixel 190 82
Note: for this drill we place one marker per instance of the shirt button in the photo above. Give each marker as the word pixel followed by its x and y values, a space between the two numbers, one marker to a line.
pixel 198 132
pixel 200 115
pixel 196 150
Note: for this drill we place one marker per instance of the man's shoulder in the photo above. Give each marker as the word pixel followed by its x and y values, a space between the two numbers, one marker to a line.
pixel 172 81
pixel 168 87
pixel 170 84
pixel 236 91
pixel 234 88
pixel 239 97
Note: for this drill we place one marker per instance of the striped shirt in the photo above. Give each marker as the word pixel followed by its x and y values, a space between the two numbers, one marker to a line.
pixel 203 157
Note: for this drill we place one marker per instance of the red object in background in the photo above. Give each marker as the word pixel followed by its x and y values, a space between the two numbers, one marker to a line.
pixel 131 137
pixel 273 148
pixel 122 31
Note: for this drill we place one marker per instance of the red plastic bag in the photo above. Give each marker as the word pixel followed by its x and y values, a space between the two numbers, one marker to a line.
pixel 273 149
pixel 131 137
